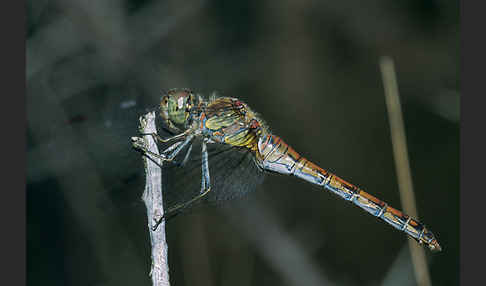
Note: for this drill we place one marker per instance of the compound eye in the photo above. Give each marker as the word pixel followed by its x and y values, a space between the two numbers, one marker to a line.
pixel 165 100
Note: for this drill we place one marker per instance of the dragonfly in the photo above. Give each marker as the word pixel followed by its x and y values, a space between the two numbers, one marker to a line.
pixel 236 149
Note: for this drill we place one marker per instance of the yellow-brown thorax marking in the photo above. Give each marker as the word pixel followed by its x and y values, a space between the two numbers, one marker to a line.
pixel 228 120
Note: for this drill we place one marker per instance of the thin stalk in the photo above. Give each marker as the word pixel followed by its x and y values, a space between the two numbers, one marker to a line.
pixel 152 197
pixel 402 165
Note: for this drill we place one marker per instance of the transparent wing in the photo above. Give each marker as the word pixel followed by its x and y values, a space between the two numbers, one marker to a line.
pixel 106 135
pixel 232 170
pixel 233 174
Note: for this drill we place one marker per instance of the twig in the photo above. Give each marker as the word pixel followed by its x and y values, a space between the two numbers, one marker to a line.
pixel 402 164
pixel 152 196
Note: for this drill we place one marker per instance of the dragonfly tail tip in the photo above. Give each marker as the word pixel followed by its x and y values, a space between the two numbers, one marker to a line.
pixel 435 246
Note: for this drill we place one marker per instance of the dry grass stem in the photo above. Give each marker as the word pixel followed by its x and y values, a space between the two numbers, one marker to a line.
pixel 402 165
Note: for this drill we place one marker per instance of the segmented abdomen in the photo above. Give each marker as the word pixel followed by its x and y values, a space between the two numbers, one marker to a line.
pixel 277 156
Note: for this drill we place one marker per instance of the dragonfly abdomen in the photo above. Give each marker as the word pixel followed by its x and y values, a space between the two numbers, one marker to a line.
pixel 382 210
pixel 279 157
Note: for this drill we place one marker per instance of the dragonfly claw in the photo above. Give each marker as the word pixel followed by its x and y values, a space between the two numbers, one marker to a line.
pixel 137 142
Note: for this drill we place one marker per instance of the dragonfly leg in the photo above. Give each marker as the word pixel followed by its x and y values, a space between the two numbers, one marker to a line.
pixel 140 147
pixel 174 150
pixel 154 155
pixel 186 158
pixel 171 147
pixel 205 189
pixel 174 153
pixel 205 181
pixel 176 137
pixel 175 145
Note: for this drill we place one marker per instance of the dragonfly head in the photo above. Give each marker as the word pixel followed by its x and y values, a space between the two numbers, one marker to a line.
pixel 176 108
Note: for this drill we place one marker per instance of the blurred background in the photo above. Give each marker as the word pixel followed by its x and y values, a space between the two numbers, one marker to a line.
pixel 311 68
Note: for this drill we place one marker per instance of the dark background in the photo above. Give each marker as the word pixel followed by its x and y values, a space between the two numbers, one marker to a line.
pixel 311 68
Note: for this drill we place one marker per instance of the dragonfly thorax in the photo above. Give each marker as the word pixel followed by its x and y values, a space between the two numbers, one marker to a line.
pixel 229 121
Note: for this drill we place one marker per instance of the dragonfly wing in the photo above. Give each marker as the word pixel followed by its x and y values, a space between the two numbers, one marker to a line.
pixel 233 174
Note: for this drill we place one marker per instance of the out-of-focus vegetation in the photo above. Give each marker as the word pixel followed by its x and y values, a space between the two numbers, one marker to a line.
pixel 309 67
